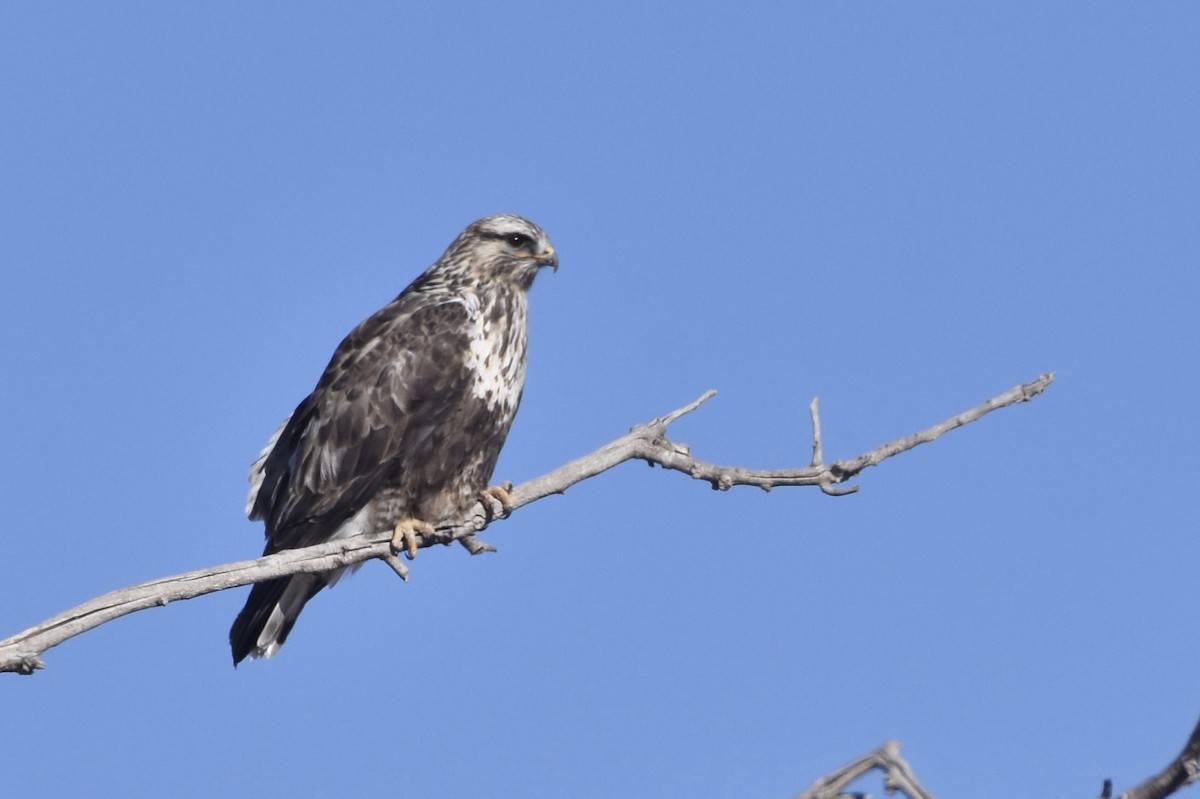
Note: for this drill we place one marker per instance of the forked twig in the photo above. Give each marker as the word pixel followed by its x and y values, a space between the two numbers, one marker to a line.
pixel 897 776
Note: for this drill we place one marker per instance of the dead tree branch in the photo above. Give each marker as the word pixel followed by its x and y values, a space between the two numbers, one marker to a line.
pixel 897 776
pixel 1183 771
pixel 648 442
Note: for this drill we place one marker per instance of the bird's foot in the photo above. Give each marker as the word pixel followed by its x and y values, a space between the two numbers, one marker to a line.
pixel 493 495
pixel 404 539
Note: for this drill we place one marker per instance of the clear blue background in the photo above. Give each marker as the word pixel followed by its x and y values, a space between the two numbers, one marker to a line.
pixel 904 208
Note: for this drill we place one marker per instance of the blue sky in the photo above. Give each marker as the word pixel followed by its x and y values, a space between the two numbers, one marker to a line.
pixel 901 208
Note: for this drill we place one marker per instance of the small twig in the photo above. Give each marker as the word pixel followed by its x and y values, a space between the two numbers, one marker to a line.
pixel 897 776
pixel 673 416
pixel 397 565
pixel 21 652
pixel 818 459
pixel 476 547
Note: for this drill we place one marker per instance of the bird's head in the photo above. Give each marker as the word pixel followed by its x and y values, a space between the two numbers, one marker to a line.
pixel 502 248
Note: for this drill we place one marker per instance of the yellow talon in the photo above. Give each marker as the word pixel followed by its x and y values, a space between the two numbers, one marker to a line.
pixel 404 539
pixel 501 495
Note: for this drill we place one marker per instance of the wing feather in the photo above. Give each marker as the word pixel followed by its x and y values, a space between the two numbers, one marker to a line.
pixel 391 380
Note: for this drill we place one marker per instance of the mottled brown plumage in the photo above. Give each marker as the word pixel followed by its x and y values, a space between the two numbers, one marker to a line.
pixel 407 421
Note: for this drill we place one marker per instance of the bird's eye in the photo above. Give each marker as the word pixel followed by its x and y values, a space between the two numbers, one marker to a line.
pixel 518 240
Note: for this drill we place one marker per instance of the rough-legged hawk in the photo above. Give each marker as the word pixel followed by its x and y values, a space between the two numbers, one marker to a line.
pixel 404 427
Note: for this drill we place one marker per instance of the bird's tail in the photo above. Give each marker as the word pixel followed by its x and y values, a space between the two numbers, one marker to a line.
pixel 270 612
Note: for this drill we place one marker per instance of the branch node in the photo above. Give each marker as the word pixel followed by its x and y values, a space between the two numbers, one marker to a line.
pixel 25 663
pixel 897 776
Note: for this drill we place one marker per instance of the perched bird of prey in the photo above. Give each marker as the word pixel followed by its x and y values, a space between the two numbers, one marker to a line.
pixel 404 427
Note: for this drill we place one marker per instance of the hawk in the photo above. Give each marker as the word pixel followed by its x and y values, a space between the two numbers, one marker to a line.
pixel 404 427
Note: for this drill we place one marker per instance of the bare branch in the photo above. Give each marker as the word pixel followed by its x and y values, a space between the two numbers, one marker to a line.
pixel 655 448
pixel 22 652
pixel 897 776
pixel 1183 770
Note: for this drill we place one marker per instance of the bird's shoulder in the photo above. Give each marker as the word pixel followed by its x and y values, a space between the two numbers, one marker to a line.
pixel 416 328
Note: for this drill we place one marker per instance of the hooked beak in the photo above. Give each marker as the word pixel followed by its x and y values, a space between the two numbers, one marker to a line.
pixel 549 258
